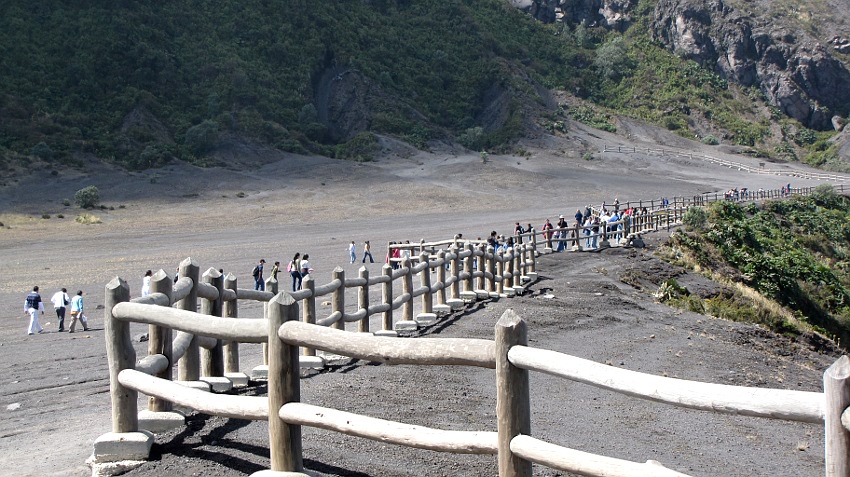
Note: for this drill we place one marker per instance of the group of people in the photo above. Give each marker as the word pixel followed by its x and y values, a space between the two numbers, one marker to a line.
pixel 395 255
pixel 367 252
pixel 34 306
pixel 298 268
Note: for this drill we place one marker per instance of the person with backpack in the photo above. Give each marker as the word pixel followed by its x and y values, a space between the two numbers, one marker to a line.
pixel 77 313
pixel 33 305
pixel 294 269
pixel 60 300
pixel 257 273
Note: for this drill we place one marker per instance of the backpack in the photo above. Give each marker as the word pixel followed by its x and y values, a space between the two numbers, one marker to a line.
pixel 290 267
pixel 256 272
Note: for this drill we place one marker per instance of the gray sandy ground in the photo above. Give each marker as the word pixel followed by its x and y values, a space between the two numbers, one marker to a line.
pixel 317 206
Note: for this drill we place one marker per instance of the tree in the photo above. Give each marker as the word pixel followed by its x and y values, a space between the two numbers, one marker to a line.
pixel 612 59
pixel 202 137
pixel 87 197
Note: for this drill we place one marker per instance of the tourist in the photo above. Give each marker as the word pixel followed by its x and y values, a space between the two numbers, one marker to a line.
pixel 352 252
pixel 275 271
pixel 562 233
pixel 595 233
pixel 547 230
pixel 405 252
pixel 305 265
pixel 33 305
pixel 60 301
pixel 367 252
pixel 257 273
pixel 294 269
pixel 77 313
pixel 578 216
pixel 518 231
pixel 146 284
pixel 587 224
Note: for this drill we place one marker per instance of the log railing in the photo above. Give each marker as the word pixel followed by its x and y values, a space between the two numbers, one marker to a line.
pixel 508 354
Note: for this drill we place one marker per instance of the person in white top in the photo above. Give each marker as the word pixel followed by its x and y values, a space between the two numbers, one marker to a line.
pixel 33 305
pixel 60 300
pixel 146 283
pixel 352 251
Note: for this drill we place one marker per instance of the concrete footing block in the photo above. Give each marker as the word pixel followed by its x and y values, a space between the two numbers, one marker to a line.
pixel 158 422
pixel 110 469
pixel 442 309
pixel 494 295
pixel 482 294
pixel 260 373
pixel 532 276
pixel 547 250
pixel 426 318
pixel 518 290
pixel 120 446
pixel 509 292
pixel 406 326
pixel 218 384
pixel 239 380
pixel 468 296
pixel 386 333
pixel 311 362
pixel 577 248
pixel 604 244
pixel 455 303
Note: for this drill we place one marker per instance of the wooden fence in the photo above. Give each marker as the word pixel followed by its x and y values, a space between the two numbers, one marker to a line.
pixel 466 272
pixel 730 164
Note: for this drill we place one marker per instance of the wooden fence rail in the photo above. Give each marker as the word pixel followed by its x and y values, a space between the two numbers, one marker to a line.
pixel 464 273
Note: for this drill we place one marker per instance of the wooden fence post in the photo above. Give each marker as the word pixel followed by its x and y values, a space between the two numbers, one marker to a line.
pixel 309 308
pixel 338 298
pixel 490 253
pixel 467 267
pixel 513 409
pixel 455 266
pixel 836 388
pixel 160 340
pixel 284 386
pixel 212 362
pixel 425 281
pixel 230 309
pixel 189 366
pixel 500 265
pixel 121 356
pixel 387 297
pixel 407 288
pixel 441 277
pixel 517 275
pixel 363 300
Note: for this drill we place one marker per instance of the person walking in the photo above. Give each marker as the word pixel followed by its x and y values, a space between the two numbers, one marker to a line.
pixel 352 252
pixel 60 300
pixel 257 273
pixel 77 313
pixel 305 265
pixel 294 269
pixel 33 305
pixel 146 284
pixel 275 270
pixel 367 252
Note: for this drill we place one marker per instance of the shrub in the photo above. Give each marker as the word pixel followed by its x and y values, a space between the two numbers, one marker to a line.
pixel 710 140
pixel 87 219
pixel 66 202
pixel 472 138
pixel 360 148
pixel 201 137
pixel 60 216
pixel 695 218
pixel 42 151
pixel 45 216
pixel 87 197
pixel 240 194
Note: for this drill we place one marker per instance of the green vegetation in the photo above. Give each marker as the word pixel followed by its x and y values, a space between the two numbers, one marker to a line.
pixel 141 83
pixel 87 197
pixel 794 252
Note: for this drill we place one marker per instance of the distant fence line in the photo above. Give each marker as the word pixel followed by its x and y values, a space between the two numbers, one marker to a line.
pixel 723 162
pixel 205 347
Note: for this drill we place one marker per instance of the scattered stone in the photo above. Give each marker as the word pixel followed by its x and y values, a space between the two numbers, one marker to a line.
pixel 142 337
pixel 326 303
pixel 548 296
pixel 13 407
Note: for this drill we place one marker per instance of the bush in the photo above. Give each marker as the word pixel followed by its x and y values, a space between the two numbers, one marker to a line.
pixel 695 218
pixel 66 202
pixel 201 137
pixel 472 138
pixel 42 151
pixel 87 197
pixel 360 148
pixel 710 140
pixel 45 216
pixel 87 219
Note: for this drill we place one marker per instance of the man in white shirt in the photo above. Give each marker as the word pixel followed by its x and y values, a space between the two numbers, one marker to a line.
pixel 60 300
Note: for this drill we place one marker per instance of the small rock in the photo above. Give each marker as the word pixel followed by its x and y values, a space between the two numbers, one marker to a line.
pixel 142 337
pixel 326 303
pixel 13 407
pixel 548 296
pixel 598 293
pixel 98 307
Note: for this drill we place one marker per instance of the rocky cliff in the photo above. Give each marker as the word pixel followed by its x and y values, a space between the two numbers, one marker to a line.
pixel 794 71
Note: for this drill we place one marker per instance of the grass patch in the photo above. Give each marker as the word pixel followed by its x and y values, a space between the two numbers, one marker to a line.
pixel 87 219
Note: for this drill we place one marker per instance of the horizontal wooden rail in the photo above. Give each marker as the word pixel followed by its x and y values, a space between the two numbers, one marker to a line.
pixel 243 330
pixel 356 316
pixel 152 364
pixel 158 299
pixel 440 351
pixel 255 408
pixel 205 290
pixel 181 289
pixel 255 295
pixel 327 288
pixel 390 432
pixel 585 463
pixel 180 344
pixel 784 404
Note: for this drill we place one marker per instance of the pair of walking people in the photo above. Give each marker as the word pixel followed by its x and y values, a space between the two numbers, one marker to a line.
pixel 298 268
